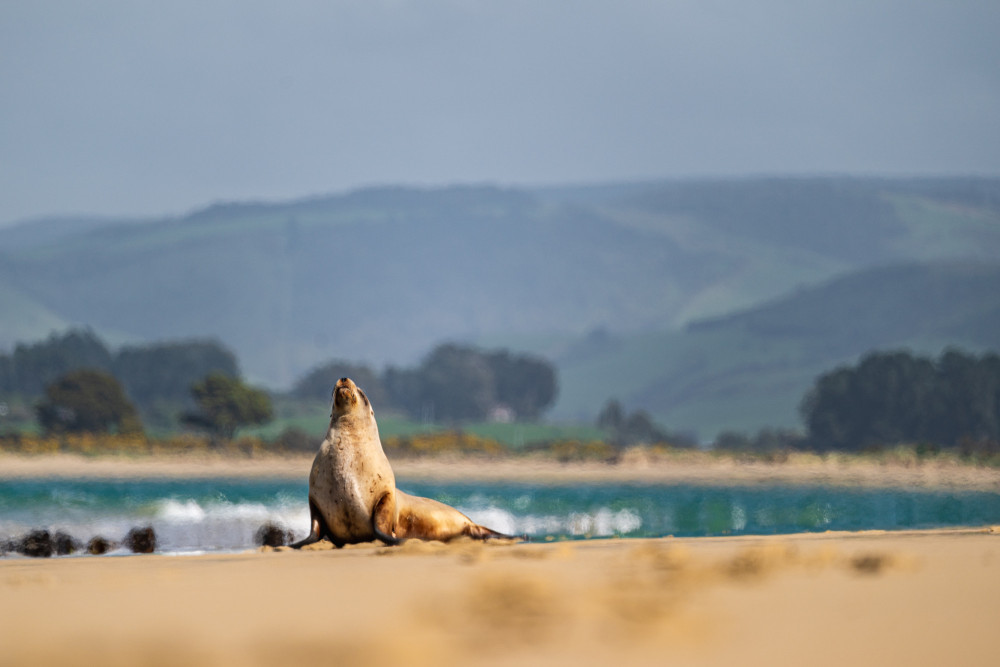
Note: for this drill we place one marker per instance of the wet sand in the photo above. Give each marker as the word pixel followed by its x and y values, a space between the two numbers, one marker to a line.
pixel 914 598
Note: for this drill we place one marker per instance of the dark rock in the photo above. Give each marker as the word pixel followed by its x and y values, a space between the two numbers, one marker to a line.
pixel 273 535
pixel 63 544
pixel 37 544
pixel 98 545
pixel 141 540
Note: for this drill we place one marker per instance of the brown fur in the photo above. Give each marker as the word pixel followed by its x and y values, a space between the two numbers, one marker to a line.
pixel 352 490
pixel 350 476
pixel 427 519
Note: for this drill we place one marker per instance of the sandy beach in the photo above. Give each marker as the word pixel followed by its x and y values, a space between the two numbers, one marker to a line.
pixel 915 598
pixel 870 598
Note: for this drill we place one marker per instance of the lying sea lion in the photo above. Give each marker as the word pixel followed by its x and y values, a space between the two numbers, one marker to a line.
pixel 352 490
pixel 428 519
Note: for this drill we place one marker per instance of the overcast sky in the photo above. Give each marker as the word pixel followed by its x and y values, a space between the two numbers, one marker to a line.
pixel 156 108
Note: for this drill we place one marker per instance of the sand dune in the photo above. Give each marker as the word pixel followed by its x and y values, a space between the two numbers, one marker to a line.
pixel 917 598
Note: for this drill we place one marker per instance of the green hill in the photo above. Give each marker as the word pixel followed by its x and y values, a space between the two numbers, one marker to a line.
pixel 382 275
pixel 378 276
pixel 750 370
pixel 25 318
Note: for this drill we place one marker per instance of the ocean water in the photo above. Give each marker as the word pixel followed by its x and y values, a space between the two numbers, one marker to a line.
pixel 206 515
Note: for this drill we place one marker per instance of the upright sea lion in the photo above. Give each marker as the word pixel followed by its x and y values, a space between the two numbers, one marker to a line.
pixel 352 491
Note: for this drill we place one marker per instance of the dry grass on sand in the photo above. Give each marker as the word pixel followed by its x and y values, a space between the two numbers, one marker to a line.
pixel 636 466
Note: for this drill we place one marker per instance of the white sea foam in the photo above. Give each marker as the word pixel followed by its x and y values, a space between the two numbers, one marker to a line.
pixel 603 522
pixel 180 512
pixel 493 517
pixel 221 525
pixel 181 526
pixel 738 517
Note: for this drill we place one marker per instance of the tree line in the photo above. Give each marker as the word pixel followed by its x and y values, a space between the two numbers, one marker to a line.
pixel 78 385
pixel 453 383
pixel 93 401
pixel 890 398
pixel 150 374
pixel 625 429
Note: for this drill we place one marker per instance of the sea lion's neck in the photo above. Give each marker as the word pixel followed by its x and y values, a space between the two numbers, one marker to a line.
pixel 358 425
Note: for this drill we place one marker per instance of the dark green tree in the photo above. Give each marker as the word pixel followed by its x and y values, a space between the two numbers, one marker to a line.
pixel 637 428
pixel 612 416
pixel 895 397
pixel 892 392
pixel 885 399
pixel 457 383
pixel 403 393
pixel 462 383
pixel 226 404
pixel 766 441
pixel 966 398
pixel 826 410
pixel 33 366
pixel 162 373
pixel 6 376
pixel 732 441
pixel 87 400
pixel 527 385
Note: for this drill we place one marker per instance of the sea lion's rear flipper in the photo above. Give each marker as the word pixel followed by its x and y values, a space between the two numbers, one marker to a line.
pixel 316 528
pixel 384 520
pixel 477 532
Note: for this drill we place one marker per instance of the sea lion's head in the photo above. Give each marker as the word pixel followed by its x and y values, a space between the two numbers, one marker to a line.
pixel 349 398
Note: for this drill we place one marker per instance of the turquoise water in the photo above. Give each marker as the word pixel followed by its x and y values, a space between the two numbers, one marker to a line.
pixel 224 514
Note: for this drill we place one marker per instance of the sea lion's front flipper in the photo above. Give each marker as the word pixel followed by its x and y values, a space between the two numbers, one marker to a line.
pixel 315 528
pixel 384 519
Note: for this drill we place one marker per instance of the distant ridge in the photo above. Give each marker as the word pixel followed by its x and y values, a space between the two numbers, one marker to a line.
pixel 380 275
pixel 750 369
pixel 873 307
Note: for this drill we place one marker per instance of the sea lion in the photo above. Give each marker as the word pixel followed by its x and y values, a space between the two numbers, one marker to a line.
pixel 428 519
pixel 352 490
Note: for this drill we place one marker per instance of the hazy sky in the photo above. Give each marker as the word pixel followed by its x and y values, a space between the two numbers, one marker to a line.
pixel 154 107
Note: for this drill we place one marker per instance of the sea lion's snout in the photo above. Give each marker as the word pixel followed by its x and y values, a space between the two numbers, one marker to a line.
pixel 344 394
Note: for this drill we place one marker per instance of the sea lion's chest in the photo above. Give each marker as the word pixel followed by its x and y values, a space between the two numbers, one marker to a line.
pixel 348 476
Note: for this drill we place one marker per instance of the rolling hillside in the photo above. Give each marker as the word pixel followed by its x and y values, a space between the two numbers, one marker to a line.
pixel 382 275
pixel 378 276
pixel 750 370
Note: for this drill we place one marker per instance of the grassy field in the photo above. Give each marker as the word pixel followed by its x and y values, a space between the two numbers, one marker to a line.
pixel 314 421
